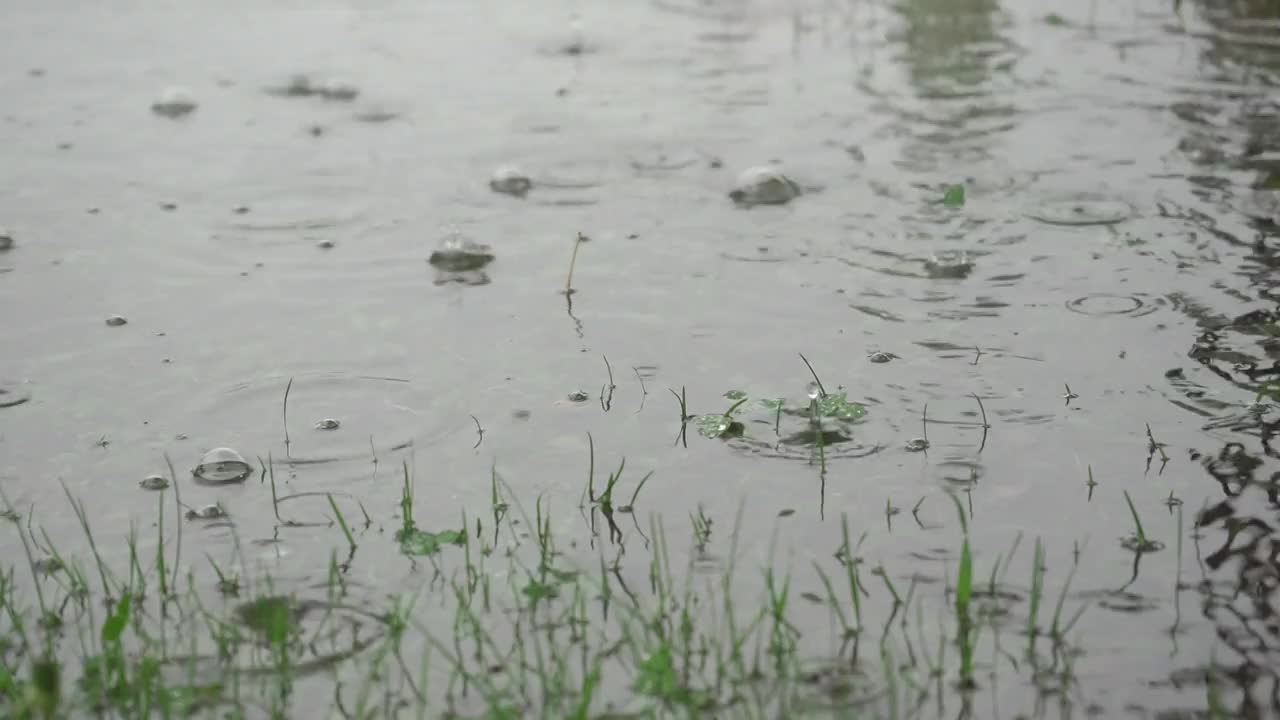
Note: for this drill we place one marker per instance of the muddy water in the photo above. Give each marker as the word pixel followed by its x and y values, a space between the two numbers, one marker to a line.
pixel 207 232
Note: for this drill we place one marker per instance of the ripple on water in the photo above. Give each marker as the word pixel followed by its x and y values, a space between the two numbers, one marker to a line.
pixel 302 210
pixel 1102 304
pixel 1081 210
pixel 380 415
pixel 11 395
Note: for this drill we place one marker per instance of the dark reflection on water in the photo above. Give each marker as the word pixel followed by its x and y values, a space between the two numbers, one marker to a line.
pixel 1232 132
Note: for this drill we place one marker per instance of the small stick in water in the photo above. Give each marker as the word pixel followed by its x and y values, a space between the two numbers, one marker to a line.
pixel 573 260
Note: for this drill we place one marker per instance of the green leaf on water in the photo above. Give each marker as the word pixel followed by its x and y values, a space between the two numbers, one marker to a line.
pixel 718 426
pixel 840 407
pixel 540 591
pixel 1055 20
pixel 954 196
pixel 273 617
pixel 772 403
pixel 422 542
pixel 735 395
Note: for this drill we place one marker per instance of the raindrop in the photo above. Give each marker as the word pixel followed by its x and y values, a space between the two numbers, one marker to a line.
pixel 328 424
pixel 116 320
pixel 221 466
pixel 7 240
pixel 154 482
pixel 458 253
pixel 881 357
pixel 1081 210
pixel 510 180
pixel 174 102
pixel 763 185
pixel 814 391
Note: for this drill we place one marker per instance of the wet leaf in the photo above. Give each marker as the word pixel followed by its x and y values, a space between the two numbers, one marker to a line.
pixel 954 196
pixel 540 591
pixel 840 407
pixel 113 627
pixel 422 542
pixel 735 395
pixel 1055 20
pixel 718 426
pixel 772 403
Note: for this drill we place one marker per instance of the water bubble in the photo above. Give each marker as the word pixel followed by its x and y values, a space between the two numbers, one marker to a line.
pixel 881 357
pixel 458 253
pixel 510 180
pixel 813 391
pixel 154 482
pixel 174 102
pixel 221 466
pixel 116 320
pixel 763 185
pixel 578 396
pixel 206 512
pixel 949 264
pixel 326 244
pixel 917 445
pixel 7 240
pixel 1081 210
pixel 328 424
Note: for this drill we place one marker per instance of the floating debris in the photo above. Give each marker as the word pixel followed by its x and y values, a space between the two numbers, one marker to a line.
pixel 510 180
pixel 578 396
pixel 206 512
pixel 174 102
pixel 116 320
pixel 459 253
pixel 222 466
pixel 7 240
pixel 154 482
pixel 328 424
pixel 763 185
pixel 917 445
pixel 949 264
pixel 1081 210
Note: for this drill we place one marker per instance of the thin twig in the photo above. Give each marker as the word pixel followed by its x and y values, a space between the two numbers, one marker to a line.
pixel 606 395
pixel 924 423
pixel 285 413
pixel 573 260
pixel 479 432
pixel 644 392
pixel 985 425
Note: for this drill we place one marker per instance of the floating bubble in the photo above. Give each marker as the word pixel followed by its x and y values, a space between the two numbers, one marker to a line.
pixel 578 396
pixel 206 512
pixel 813 391
pixel 458 253
pixel 154 482
pixel 116 320
pixel 1108 304
pixel 174 102
pixel 222 466
pixel 1081 210
pixel 326 244
pixel 328 424
pixel 949 264
pixel 881 357
pixel 7 240
pixel 917 445
pixel 763 185
pixel 510 180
